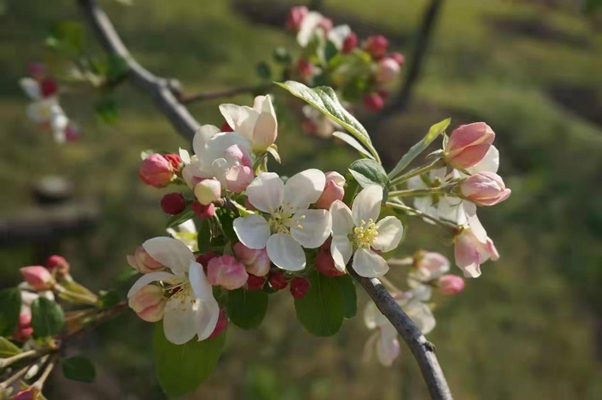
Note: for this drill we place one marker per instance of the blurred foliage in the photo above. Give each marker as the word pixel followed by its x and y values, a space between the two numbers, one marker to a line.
pixel 528 328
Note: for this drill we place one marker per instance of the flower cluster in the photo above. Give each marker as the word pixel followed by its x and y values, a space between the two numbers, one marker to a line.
pixel 44 109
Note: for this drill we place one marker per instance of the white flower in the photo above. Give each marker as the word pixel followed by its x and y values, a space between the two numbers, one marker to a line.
pixel 288 224
pixel 258 124
pixel 311 26
pixel 224 156
pixel 356 230
pixel 45 111
pixel 186 233
pixel 191 309
pixel 29 295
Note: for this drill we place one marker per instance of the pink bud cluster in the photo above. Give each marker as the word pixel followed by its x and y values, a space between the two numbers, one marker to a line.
pixel 160 170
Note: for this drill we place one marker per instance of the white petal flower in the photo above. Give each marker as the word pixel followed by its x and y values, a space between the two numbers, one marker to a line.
pixel 286 223
pixel 258 124
pixel 356 229
pixel 308 27
pixel 186 233
pixel 191 309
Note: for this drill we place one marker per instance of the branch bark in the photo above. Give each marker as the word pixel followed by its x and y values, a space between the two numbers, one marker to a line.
pixel 163 93
pixel 422 349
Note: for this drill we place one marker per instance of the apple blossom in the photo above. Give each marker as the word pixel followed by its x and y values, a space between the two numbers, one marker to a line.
pixel 207 191
pixel 255 282
pixel 350 43
pixel 149 303
pixel 156 170
pixel 325 264
pixel 191 310
pixel 186 233
pixel 377 46
pixel 468 144
pixel 227 272
pixel 356 231
pixel 24 329
pixel 278 280
pixel 38 277
pixel 374 101
pixel 256 261
pixel 387 70
pixel 288 224
pixel 57 265
pixel 398 57
pixel 315 23
pixel 305 69
pixel 299 287
pixel 484 188
pixel 222 324
pixel 173 203
pixel 295 17
pixel 204 258
pixel 258 124
pixel 201 211
pixel 472 250
pixel 449 285
pixel 333 190
pixel 143 262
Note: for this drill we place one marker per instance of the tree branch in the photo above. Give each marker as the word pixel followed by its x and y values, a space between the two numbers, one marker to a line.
pixel 423 350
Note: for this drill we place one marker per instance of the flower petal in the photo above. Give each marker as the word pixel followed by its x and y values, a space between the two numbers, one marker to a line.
pixel 342 221
pixel 207 318
pixel 285 253
pixel 266 192
pixel 338 34
pixel 388 347
pixel 390 232
pixel 170 252
pixel 241 119
pixel 314 227
pixel 421 315
pixel 366 205
pixel 308 27
pixel 489 163
pixel 253 231
pixel 31 88
pixel 264 132
pixel 304 188
pixel 149 278
pixel 369 264
pixel 180 319
pixel 341 250
pixel 202 137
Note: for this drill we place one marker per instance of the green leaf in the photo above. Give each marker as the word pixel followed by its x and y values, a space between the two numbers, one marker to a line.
pixel 369 172
pixel 347 287
pixel 47 317
pixel 247 308
pixel 263 70
pixel 351 141
pixel 419 147
pixel 325 100
pixel 117 67
pixel 180 218
pixel 330 51
pixel 226 218
pixel 10 308
pixel 351 190
pixel 282 55
pixel 68 37
pixel 180 369
pixel 204 237
pixel 7 348
pixel 322 310
pixel 79 369
pixel 107 110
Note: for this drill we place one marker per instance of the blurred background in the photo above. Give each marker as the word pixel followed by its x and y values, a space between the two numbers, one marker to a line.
pixel 529 328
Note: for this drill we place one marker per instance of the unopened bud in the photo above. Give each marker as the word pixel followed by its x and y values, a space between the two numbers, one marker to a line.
pixel 484 188
pixel 143 262
pixel 387 71
pixel 175 161
pixel 449 285
pixel 325 264
pixel 278 280
pixel 24 329
pixel 38 277
pixel 72 132
pixel 149 303
pixel 374 102
pixel 299 287
pixel 156 170
pixel 173 203
pixel 305 69
pixel 350 43
pixel 57 265
pixel 325 24
pixel 255 282
pixel 227 272
pixel 333 190
pixel 48 87
pixel 256 262
pixel 203 212
pixel 222 324
pixel 398 57
pixel 468 144
pixel 204 258
pixel 295 17
pixel 377 46
pixel 207 191
pixel 226 128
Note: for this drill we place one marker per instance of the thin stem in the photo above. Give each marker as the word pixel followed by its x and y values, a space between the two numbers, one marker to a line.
pixel 5 362
pixel 69 295
pixel 39 384
pixel 390 284
pixel 421 214
pixel 416 192
pixel 4 385
pixel 225 93
pixel 415 172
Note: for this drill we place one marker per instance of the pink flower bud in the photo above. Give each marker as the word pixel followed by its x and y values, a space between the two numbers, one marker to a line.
pixel 470 252
pixel 149 303
pixel 38 277
pixel 255 282
pixel 175 161
pixel 449 285
pixel 173 203
pixel 256 262
pixel 48 87
pixel 388 69
pixel 204 258
pixel 484 188
pixel 398 57
pixel 350 43
pixel 278 280
pixel 305 69
pixel 295 17
pixel 333 190
pixel 24 330
pixel 156 170
pixel 299 287
pixel 468 144
pixel 227 272
pixel 238 178
pixel 374 102
pixel 144 263
pixel 237 154
pixel 222 324
pixel 377 46
pixel 57 265
pixel 325 264
pixel 433 263
pixel 207 191
pixel 30 393
pixel 203 212
pixel 37 71
pixel 325 24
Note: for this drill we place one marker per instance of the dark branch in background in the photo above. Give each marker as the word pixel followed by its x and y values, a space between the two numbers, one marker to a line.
pixel 429 19
pixel 423 350
pixel 163 93
pixel 225 93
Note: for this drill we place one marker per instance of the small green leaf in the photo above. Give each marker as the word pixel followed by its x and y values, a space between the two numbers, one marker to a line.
pixel 351 189
pixel 7 348
pixel 79 369
pixel 263 70
pixel 325 100
pixel 204 236
pixel 226 218
pixel 117 67
pixel 247 308
pixel 180 369
pixel 68 37
pixel 419 147
pixel 322 310
pixel 330 51
pixel 368 172
pixel 281 55
pixel 182 217
pixel 347 287
pixel 107 110
pixel 10 308
pixel 47 317
pixel 351 141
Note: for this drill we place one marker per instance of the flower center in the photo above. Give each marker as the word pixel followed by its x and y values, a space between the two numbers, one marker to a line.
pixel 365 234
pixel 283 218
pixel 179 288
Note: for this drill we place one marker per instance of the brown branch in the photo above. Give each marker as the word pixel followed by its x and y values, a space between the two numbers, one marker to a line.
pixel 225 93
pixel 423 350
